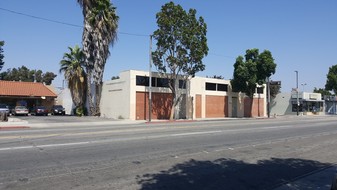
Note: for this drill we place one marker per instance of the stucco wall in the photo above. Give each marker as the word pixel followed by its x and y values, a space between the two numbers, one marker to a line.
pixel 115 102
pixel 119 98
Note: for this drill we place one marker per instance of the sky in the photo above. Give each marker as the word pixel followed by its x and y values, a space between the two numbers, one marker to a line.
pixel 301 35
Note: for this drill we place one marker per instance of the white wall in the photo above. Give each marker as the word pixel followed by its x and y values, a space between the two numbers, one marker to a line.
pixel 281 105
pixel 115 102
pixel 64 99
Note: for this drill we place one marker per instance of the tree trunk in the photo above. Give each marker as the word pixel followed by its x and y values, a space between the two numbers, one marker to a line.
pixel 176 101
pixel 98 91
pixel 91 109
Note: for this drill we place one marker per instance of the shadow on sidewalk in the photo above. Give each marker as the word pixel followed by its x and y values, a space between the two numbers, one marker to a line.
pixel 230 174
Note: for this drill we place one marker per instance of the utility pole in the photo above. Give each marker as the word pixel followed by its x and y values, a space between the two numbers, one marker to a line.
pixel 298 102
pixel 268 94
pixel 150 79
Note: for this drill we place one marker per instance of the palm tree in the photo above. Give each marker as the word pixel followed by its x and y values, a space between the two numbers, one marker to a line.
pixel 100 31
pixel 73 67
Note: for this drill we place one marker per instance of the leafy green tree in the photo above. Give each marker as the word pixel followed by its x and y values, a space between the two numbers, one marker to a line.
pixel 48 77
pixel 181 46
pixel 322 91
pixel 251 70
pixel 274 90
pixel 100 31
pixel 24 74
pixel 114 77
pixel 2 62
pixel 72 65
pixel 331 82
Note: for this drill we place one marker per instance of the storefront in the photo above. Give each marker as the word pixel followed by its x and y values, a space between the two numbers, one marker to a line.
pixel 309 103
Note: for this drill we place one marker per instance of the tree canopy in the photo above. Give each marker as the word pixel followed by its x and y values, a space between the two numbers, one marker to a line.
pixel 322 91
pixel 251 70
pixel 331 82
pixel 24 74
pixel 274 89
pixel 181 46
pixel 2 62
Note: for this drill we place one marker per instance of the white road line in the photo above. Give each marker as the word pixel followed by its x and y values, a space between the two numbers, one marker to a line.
pixel 195 133
pixel 43 146
pixel 104 141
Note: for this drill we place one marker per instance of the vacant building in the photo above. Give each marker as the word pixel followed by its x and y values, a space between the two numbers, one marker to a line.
pixel 127 97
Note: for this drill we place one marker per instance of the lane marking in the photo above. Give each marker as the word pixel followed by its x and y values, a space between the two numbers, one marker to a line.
pixel 195 133
pixel 44 146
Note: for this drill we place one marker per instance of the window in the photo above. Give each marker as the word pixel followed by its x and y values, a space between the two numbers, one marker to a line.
pixel 210 86
pixel 182 84
pixel 162 82
pixel 142 81
pixel 222 87
pixel 294 108
pixel 216 87
pixel 259 90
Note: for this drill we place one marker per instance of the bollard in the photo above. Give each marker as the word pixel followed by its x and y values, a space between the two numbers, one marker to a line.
pixel 3 116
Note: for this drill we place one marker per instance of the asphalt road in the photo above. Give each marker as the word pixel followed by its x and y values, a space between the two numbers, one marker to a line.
pixel 228 154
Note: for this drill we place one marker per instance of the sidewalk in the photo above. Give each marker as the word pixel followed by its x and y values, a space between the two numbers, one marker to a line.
pixel 16 123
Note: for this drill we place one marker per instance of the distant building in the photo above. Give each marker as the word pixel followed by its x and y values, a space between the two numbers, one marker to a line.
pixel 330 104
pixel 286 104
pixel 28 94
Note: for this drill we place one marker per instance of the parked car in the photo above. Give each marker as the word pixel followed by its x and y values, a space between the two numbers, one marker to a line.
pixel 39 110
pixel 20 110
pixel 4 108
pixel 58 110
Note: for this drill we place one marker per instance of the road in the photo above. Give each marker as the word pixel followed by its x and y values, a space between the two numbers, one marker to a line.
pixel 227 154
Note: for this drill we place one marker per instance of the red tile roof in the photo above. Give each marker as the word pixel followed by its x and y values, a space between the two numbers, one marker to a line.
pixel 14 88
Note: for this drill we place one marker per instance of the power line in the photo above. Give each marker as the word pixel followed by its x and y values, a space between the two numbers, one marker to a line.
pixel 80 26
pixel 40 18
pixel 60 22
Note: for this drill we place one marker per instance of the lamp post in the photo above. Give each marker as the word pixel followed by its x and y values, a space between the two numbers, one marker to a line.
pixel 303 84
pixel 298 102
pixel 268 94
pixel 150 79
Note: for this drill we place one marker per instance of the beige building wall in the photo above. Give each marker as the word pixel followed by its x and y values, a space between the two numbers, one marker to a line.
pixel 119 96
pixel 115 102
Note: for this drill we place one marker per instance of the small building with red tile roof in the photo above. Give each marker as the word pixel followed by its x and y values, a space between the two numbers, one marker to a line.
pixel 15 93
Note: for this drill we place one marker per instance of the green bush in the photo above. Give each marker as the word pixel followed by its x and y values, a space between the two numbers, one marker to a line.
pixel 80 111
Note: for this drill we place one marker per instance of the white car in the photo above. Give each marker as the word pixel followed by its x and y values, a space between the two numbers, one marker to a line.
pixel 20 110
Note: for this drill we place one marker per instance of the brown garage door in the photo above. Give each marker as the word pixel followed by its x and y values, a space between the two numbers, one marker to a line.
pixel 216 106
pixel 161 105
pixel 198 104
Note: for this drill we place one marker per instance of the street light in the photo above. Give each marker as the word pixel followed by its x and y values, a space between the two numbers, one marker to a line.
pixel 268 94
pixel 298 102
pixel 150 79
pixel 303 84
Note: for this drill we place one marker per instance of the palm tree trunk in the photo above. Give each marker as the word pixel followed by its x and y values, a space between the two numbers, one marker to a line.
pixel 91 109
pixel 98 91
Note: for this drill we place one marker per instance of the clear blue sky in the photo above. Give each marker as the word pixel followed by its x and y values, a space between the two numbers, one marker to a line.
pixel 301 34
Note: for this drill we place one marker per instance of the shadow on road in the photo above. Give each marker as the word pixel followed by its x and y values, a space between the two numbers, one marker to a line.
pixel 229 174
